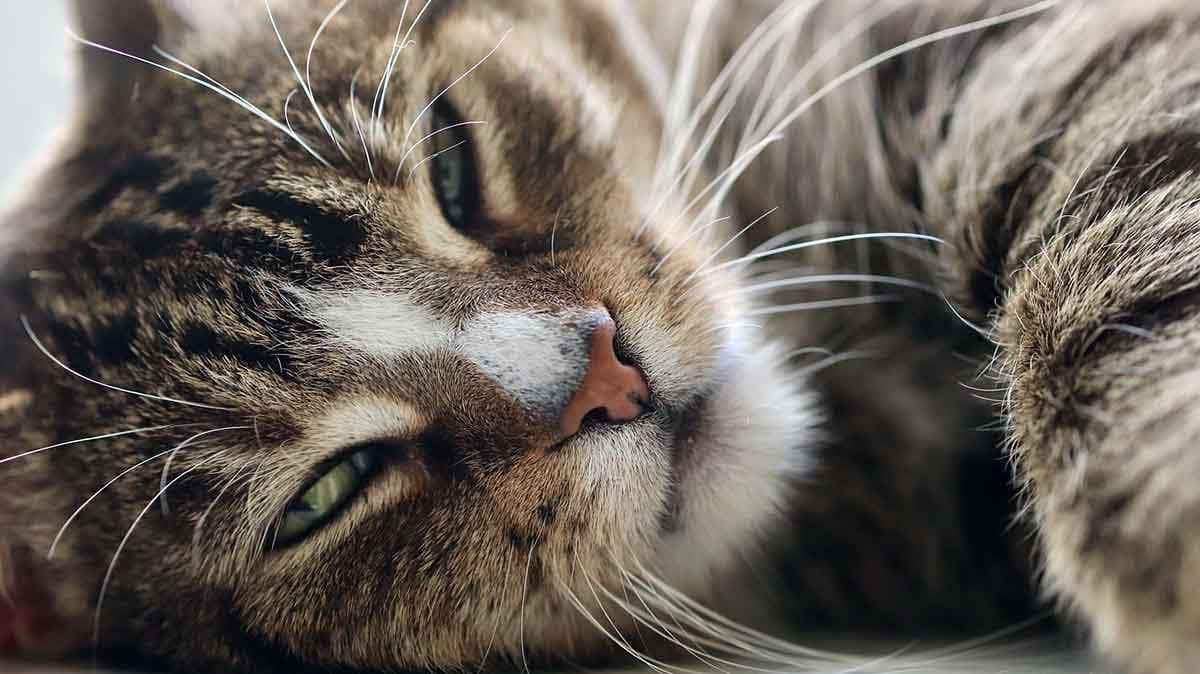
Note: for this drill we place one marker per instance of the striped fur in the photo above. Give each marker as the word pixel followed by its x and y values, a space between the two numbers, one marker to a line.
pixel 285 292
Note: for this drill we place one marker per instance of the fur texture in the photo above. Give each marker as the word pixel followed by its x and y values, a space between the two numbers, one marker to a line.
pixel 967 230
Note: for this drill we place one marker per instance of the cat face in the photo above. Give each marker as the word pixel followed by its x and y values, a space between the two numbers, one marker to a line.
pixel 421 355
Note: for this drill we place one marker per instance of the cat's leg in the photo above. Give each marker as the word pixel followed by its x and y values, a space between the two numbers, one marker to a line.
pixel 1101 347
pixel 1067 185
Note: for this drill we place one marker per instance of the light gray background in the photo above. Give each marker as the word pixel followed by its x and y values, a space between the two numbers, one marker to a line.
pixel 35 81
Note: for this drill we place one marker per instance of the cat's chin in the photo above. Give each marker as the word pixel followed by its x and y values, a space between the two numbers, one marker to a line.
pixel 737 455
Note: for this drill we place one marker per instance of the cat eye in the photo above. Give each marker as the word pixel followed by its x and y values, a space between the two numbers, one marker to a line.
pixel 455 174
pixel 325 497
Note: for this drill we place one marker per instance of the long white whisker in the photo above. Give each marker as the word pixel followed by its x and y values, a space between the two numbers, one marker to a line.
pixel 196 71
pixel 825 304
pixel 422 141
pixel 828 50
pixel 682 84
pixel 308 92
pixel 46 352
pixel 433 156
pixel 773 39
pixel 752 49
pixel 524 601
pixel 833 278
pixel 716 253
pixel 399 48
pixel 499 616
pixel 125 541
pixel 180 447
pixel 387 71
pixel 199 528
pixel 81 441
pixel 362 137
pixel 207 83
pixel 287 106
pixel 63 529
pixel 823 242
pixel 695 231
pixel 878 60
pixel 727 177
pixel 614 635
pixel 412 127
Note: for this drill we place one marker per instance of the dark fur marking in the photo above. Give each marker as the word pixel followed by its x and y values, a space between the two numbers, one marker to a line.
pixel 1139 168
pixel 441 455
pixel 548 512
pixel 144 240
pixel 112 342
pixel 201 340
pixel 73 347
pixel 191 197
pixel 141 171
pixel 334 238
pixel 252 248
pixel 1008 212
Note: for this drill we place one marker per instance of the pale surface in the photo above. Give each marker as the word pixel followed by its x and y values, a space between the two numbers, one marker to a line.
pixel 35 78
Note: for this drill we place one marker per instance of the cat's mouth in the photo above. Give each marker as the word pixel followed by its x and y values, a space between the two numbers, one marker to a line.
pixel 687 451
pixel 736 452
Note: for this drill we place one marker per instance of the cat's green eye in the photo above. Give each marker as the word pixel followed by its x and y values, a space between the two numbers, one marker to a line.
pixel 325 498
pixel 454 172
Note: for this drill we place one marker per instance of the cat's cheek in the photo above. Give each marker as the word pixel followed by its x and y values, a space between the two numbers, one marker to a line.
pixel 757 442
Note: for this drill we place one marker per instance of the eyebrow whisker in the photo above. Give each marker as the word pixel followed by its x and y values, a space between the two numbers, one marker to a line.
pixel 46 352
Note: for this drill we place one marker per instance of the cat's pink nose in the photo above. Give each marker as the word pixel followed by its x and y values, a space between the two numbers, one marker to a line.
pixel 610 387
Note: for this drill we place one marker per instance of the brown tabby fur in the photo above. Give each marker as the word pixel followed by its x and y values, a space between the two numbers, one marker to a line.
pixel 1055 155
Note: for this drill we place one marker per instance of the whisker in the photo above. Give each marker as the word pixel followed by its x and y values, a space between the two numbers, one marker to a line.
pixel 63 529
pixel 432 102
pixel 716 253
pixel 837 359
pixel 229 484
pixel 833 278
pixel 744 160
pixel 433 156
pixel 166 511
pixel 397 49
pixel 420 142
pixel 524 601
pixel 825 304
pixel 681 85
pixel 614 635
pixel 81 441
pixel 823 242
pixel 499 616
pixel 376 115
pixel 207 83
pixel 755 47
pixel 362 137
pixel 692 233
pixel 125 541
pixel 304 84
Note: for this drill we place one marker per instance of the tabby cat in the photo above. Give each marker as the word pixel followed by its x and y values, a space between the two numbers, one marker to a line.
pixel 404 335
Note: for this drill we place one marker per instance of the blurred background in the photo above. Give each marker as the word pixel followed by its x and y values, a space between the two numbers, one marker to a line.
pixel 35 76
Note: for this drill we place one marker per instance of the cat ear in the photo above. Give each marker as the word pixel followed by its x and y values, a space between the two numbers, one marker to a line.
pixel 134 28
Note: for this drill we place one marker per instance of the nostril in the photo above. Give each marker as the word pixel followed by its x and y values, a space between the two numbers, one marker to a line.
pixel 611 390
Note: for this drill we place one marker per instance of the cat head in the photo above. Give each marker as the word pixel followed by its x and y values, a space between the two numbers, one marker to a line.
pixel 406 349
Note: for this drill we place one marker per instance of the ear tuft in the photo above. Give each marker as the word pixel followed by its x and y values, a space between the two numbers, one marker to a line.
pixel 135 27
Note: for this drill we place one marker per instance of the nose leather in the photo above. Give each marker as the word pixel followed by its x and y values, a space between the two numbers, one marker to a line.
pixel 618 389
